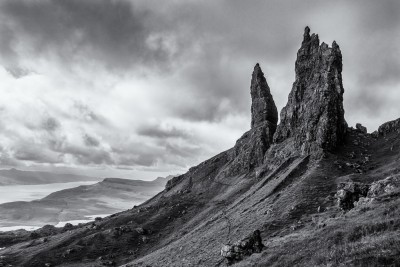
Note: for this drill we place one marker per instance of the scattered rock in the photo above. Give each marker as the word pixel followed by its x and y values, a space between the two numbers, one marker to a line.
pixel 245 247
pixel 140 231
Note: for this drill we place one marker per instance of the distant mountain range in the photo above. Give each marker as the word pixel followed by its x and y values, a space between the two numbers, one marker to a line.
pixel 18 177
pixel 106 197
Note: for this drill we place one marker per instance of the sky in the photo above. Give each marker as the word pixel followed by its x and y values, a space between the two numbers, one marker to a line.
pixel 141 89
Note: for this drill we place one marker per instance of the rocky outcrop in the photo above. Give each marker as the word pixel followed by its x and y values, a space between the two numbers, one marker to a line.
pixel 386 186
pixel 360 128
pixel 389 127
pixel 314 114
pixel 245 247
pixel 249 150
pixel 349 193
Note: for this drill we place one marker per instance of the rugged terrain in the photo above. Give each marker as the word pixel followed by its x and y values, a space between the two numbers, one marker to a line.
pixel 308 192
pixel 106 197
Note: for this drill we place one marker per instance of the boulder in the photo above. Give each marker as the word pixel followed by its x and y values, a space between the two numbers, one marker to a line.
pixel 360 128
pixel 245 247
pixel 349 193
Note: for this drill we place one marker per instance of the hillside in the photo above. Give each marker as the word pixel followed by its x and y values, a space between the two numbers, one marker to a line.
pixel 106 197
pixel 309 191
pixel 18 177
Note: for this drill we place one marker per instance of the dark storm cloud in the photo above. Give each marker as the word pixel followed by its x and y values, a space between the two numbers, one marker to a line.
pixel 90 140
pixel 114 33
pixel 50 124
pixel 35 153
pixel 17 72
pixel 157 131
pixel 87 156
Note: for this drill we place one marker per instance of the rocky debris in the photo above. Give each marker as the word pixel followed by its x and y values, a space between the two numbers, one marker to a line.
pixel 249 150
pixel 389 127
pixel 245 247
pixel 314 114
pixel 385 186
pixel 262 104
pixel 360 128
pixel 349 193
pixel 143 231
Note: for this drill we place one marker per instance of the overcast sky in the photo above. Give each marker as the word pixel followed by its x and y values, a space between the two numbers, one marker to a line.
pixel 140 89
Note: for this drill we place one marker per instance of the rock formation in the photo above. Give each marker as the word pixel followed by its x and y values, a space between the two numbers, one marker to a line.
pixel 249 150
pixel 263 107
pixel 349 193
pixel 314 114
pixel 389 127
pixel 245 247
pixel 361 129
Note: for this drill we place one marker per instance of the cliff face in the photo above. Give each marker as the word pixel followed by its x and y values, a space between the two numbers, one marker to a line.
pixel 314 114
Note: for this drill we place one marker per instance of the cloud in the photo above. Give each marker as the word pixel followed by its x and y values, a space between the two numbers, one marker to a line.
pixel 50 124
pixel 158 131
pixel 90 141
pixel 117 34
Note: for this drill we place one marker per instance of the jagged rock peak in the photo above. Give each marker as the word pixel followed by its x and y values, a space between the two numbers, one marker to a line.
pixel 249 150
pixel 314 114
pixel 263 106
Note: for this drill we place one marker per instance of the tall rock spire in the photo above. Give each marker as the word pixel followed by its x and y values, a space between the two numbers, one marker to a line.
pixel 263 106
pixel 248 152
pixel 314 116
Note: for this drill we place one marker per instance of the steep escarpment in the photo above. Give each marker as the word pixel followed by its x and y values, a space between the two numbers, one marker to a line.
pixel 271 200
pixel 314 116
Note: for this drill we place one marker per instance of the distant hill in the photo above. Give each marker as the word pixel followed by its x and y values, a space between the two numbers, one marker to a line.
pixel 108 196
pixel 18 177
